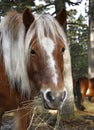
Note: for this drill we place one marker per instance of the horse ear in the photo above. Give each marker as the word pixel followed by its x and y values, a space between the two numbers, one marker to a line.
pixel 61 16
pixel 28 18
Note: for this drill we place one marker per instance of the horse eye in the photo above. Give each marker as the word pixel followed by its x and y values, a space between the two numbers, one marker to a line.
pixel 63 49
pixel 33 52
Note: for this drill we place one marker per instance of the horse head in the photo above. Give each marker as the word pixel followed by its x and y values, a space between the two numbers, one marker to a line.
pixel 46 46
pixel 34 51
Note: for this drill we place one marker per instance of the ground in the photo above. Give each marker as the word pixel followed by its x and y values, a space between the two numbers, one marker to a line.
pixel 50 121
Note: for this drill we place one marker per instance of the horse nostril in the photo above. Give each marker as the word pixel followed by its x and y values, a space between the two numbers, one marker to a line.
pixel 49 96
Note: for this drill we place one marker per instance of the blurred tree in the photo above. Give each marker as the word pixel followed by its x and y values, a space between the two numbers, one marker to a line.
pixel 78 38
pixel 20 5
pixel 91 39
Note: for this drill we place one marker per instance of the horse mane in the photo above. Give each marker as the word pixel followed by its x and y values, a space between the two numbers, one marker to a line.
pixel 16 42
pixel 12 46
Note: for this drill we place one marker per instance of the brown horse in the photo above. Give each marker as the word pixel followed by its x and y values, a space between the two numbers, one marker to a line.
pixel 84 87
pixel 34 57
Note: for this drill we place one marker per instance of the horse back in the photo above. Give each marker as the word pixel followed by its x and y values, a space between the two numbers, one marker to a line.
pixel 84 83
pixel 90 90
pixel 80 86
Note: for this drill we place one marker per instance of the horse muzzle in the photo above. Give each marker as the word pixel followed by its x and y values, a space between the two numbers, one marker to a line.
pixel 54 102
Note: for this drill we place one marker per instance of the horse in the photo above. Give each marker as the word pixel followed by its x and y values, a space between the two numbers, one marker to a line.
pixel 34 58
pixel 84 87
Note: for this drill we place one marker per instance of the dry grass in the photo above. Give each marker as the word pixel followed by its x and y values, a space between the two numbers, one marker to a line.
pixel 40 118
pixel 43 119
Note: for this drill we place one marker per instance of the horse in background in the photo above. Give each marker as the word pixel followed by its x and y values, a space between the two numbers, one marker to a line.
pixel 83 87
pixel 34 57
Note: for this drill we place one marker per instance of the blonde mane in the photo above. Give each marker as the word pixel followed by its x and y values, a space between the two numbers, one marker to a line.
pixel 16 42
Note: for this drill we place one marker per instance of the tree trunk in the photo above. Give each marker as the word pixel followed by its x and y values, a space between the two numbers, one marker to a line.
pixel 68 106
pixel 91 40
pixel 59 4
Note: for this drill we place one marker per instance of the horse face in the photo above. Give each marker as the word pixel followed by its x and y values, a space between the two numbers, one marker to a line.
pixel 46 63
pixel 46 70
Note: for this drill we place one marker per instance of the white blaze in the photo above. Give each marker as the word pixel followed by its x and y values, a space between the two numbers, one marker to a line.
pixel 88 91
pixel 49 47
